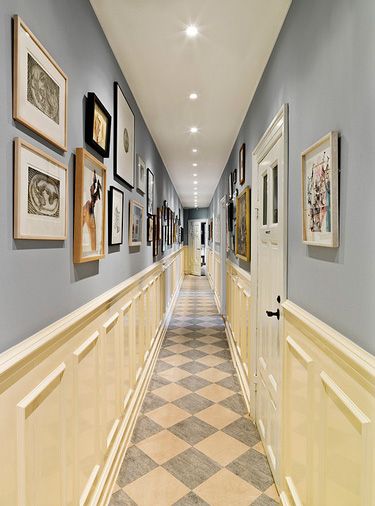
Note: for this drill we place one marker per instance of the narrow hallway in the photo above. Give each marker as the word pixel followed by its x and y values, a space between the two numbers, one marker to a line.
pixel 193 443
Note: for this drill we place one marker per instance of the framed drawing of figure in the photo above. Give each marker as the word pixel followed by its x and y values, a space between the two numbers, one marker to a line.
pixel 136 212
pixel 115 216
pixel 320 193
pixel 89 208
pixel 124 138
pixel 150 192
pixel 97 125
pixel 40 194
pixel 242 162
pixel 40 88
pixel 243 225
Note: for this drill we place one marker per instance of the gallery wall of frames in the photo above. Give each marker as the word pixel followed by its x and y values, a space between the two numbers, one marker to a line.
pixel 91 195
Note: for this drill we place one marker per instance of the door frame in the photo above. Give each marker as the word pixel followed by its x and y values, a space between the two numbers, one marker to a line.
pixel 276 130
pixel 203 220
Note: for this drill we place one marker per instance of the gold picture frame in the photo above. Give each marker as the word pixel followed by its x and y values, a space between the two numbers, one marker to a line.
pixel 242 247
pixel 89 207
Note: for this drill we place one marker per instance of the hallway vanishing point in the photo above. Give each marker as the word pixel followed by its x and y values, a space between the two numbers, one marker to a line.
pixel 193 443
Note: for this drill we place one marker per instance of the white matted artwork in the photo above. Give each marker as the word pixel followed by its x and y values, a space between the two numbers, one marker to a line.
pixel 40 87
pixel 40 194
pixel 320 181
pixel 141 175
pixel 136 211
pixel 124 138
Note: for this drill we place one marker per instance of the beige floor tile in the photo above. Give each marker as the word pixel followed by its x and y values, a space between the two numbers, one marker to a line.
pixel 171 392
pixel 163 446
pixel 221 448
pixel 179 339
pixel 210 348
pixel 177 348
pixel 227 489
pixel 272 492
pixel 115 489
pixel 208 339
pixel 211 360
pixel 174 374
pixel 213 374
pixel 259 448
pixel 156 488
pixel 215 393
pixel 217 416
pixel 168 415
pixel 176 360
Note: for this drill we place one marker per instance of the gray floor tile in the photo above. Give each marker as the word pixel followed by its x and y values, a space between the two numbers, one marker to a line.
pixel 192 430
pixel 243 430
pixel 226 366
pixel 191 499
pixel 224 354
pixel 135 464
pixel 162 366
pixel 191 467
pixel 119 498
pixel 194 354
pixel 194 343
pixel 145 427
pixel 193 403
pixel 264 500
pixel 152 402
pixel 157 382
pixel 253 467
pixel 230 382
pixel 236 403
pixel 165 353
pixel 193 383
pixel 193 367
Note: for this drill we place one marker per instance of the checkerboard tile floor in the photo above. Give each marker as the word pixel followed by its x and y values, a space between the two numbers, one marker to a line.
pixel 193 444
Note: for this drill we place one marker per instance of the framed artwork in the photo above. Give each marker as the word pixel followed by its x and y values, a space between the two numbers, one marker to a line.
pixel 150 192
pixel 141 175
pixel 124 138
pixel 230 186
pixel 136 211
pixel 243 225
pixel 234 177
pixel 40 88
pixel 89 207
pixel 242 162
pixel 40 194
pixel 160 219
pixel 230 216
pixel 97 125
pixel 155 243
pixel 164 238
pixel 165 210
pixel 320 193
pixel 115 216
pixel 150 229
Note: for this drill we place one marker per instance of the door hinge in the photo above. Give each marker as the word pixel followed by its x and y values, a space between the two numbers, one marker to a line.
pixel 257 210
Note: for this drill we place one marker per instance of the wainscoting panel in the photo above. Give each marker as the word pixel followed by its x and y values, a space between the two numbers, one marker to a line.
pixel 70 394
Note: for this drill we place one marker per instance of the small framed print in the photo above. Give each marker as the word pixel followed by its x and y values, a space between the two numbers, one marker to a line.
pixel 234 177
pixel 141 175
pixel 124 138
pixel 150 229
pixel 242 163
pixel 40 194
pixel 164 238
pixel 136 212
pixel 115 216
pixel 97 125
pixel 150 192
pixel 155 244
pixel 320 193
pixel 243 225
pixel 230 186
pixel 165 210
pixel 40 88
pixel 89 207
pixel 160 219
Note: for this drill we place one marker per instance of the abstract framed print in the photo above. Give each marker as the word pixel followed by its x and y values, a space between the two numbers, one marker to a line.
pixel 124 138
pixel 141 175
pixel 115 216
pixel 242 163
pixel 40 194
pixel 136 212
pixel 89 207
pixel 97 125
pixel 40 88
pixel 243 225
pixel 150 229
pixel 320 193
pixel 150 192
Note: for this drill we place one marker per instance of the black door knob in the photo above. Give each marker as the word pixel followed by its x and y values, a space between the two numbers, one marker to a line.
pixel 273 313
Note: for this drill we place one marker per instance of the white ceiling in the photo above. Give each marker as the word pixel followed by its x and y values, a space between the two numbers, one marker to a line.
pixel 223 64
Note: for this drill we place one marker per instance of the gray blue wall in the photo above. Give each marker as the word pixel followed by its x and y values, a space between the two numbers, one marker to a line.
pixel 323 66
pixel 38 281
pixel 199 213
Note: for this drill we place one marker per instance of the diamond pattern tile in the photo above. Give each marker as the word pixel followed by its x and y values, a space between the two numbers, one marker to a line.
pixel 191 467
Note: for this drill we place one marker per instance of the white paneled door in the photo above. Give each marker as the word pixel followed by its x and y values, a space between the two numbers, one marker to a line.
pixel 195 244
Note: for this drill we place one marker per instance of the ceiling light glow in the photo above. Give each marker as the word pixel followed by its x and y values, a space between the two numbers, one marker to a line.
pixel 195 182
pixel 193 96
pixel 194 130
pixel 195 165
pixel 195 175
pixel 191 31
pixel 195 150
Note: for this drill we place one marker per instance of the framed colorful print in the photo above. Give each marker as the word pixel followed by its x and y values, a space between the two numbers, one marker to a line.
pixel 242 163
pixel 243 225
pixel 124 138
pixel 155 244
pixel 230 186
pixel 115 216
pixel 150 229
pixel 150 192
pixel 141 175
pixel 89 207
pixel 136 211
pixel 40 88
pixel 320 193
pixel 97 125
pixel 40 194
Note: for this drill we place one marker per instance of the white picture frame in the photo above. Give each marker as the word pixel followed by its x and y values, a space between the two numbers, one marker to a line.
pixel 124 138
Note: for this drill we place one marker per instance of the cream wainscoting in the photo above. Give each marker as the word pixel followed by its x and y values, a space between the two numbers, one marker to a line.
pixel 186 260
pixel 328 441
pixel 70 394
pixel 214 275
pixel 210 267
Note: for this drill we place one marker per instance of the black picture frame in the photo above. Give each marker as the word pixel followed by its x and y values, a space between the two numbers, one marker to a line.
pixel 230 216
pixel 111 191
pixel 242 163
pixel 150 192
pixel 150 229
pixel 234 177
pixel 93 103
pixel 230 186
pixel 116 169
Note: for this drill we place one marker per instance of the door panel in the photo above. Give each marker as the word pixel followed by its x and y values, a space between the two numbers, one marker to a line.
pixel 195 247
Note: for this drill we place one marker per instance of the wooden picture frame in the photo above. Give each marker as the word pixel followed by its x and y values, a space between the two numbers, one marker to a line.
pixel 242 163
pixel 242 245
pixel 97 125
pixel 115 216
pixel 89 207
pixel 150 192
pixel 123 138
pixel 37 174
pixel 136 220
pixel 320 193
pixel 35 70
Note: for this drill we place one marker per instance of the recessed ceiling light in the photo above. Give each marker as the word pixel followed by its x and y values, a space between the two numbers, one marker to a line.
pixel 195 182
pixel 195 165
pixel 191 31
pixel 195 175
pixel 194 130
pixel 195 150
pixel 193 96
pixel 195 193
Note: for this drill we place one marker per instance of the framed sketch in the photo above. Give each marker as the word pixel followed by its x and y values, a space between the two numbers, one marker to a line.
pixel 141 175
pixel 150 229
pixel 243 225
pixel 40 88
pixel 320 193
pixel 115 216
pixel 136 211
pixel 150 192
pixel 155 244
pixel 242 162
pixel 97 125
pixel 40 194
pixel 230 186
pixel 124 138
pixel 89 207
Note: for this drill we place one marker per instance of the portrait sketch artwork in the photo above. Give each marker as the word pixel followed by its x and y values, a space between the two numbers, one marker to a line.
pixel 124 138
pixel 115 216
pixel 100 127
pixel 135 223
pixel 43 196
pixel 243 225
pixel 42 91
